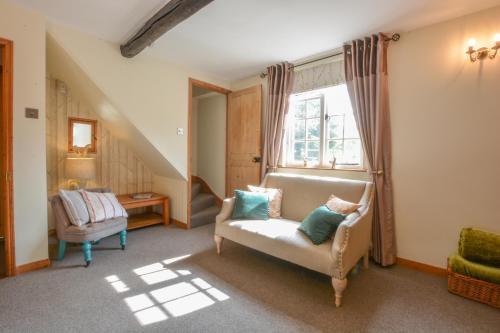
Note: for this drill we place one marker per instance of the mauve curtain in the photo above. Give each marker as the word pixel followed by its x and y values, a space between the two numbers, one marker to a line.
pixel 365 63
pixel 279 79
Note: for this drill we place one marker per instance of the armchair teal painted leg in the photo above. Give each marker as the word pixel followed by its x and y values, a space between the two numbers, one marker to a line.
pixel 61 250
pixel 87 247
pixel 123 238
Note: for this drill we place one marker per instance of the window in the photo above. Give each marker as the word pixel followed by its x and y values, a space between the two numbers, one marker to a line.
pixel 320 129
pixel 82 134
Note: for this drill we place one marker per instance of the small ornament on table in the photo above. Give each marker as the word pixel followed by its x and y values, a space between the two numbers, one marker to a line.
pixel 142 195
pixel 334 163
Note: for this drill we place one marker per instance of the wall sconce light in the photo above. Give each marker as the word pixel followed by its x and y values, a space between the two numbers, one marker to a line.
pixel 483 52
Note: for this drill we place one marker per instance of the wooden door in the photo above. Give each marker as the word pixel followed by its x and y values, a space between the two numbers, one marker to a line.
pixel 243 139
pixel 6 124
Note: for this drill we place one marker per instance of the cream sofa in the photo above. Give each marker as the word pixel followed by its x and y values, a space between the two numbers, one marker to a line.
pixel 280 237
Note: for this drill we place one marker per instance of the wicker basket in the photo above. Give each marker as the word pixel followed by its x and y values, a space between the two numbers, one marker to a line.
pixel 477 290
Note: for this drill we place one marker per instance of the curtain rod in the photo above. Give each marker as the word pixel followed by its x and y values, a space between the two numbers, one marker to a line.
pixel 394 38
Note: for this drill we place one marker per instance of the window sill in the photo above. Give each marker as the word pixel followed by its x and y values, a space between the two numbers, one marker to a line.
pixel 320 168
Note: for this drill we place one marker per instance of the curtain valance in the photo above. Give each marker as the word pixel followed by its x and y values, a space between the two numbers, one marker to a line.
pixel 317 76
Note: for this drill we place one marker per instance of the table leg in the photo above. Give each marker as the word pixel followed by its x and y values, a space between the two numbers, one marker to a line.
pixel 166 212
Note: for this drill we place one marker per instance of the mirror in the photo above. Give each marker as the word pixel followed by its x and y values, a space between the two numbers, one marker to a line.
pixel 81 135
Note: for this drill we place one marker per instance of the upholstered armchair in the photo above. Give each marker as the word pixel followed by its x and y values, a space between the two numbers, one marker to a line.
pixel 86 234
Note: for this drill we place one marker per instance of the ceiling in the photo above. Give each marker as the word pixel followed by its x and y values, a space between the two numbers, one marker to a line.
pixel 233 39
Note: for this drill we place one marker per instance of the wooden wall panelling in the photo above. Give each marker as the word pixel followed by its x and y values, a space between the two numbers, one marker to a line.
pixel 117 167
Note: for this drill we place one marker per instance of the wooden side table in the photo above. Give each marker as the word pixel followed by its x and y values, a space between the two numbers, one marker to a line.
pixel 148 218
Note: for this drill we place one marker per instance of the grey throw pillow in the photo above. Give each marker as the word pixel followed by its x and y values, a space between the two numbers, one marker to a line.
pixel 75 207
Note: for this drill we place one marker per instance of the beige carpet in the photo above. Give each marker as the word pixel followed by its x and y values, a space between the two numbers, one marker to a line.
pixel 171 280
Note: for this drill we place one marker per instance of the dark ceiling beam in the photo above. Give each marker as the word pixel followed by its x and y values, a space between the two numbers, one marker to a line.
pixel 173 13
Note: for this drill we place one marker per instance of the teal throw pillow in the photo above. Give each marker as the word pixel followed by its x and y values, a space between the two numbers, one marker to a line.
pixel 320 224
pixel 250 206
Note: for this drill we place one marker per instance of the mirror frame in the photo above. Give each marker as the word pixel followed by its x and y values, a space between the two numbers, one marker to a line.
pixel 93 125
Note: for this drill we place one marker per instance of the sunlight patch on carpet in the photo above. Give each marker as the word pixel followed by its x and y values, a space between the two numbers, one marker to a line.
pixel 185 295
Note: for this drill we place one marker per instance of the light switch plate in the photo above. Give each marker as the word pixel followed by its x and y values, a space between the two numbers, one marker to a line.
pixel 180 131
pixel 31 113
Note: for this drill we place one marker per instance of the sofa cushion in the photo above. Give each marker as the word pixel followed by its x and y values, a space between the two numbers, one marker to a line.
pixel 274 194
pixel 460 265
pixel 341 206
pixel 250 205
pixel 282 239
pixel 480 246
pixel 75 207
pixel 320 224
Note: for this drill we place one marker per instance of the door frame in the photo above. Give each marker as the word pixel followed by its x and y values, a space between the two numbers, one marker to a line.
pixel 6 180
pixel 214 88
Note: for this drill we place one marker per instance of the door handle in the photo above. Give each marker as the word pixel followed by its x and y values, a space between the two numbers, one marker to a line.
pixel 257 159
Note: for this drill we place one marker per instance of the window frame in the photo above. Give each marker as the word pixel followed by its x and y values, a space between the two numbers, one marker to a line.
pixel 287 160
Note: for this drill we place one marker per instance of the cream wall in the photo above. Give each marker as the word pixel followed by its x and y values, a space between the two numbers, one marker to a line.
pixel 60 66
pixel 27 30
pixel 176 189
pixel 194 136
pixel 445 116
pixel 150 92
pixel 211 142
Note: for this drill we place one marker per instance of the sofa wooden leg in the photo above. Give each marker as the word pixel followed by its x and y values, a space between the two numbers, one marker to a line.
pixel 366 259
pixel 218 241
pixel 61 250
pixel 339 286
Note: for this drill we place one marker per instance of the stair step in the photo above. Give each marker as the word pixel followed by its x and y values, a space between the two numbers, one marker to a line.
pixel 195 189
pixel 201 201
pixel 205 216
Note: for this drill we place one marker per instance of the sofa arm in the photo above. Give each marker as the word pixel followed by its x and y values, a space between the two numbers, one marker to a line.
pixel 352 241
pixel 226 211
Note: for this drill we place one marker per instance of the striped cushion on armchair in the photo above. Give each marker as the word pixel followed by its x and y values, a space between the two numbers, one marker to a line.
pixel 103 206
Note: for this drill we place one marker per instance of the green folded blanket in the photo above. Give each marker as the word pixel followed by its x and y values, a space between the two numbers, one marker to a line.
pixel 465 267
pixel 480 246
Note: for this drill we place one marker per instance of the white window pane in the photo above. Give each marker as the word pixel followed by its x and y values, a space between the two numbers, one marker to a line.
pixel 313 108
pixel 300 130
pixel 335 150
pixel 313 129
pixel 82 134
pixel 352 152
pixel 350 129
pixel 335 127
pixel 338 99
pixel 299 150
pixel 300 110
pixel 313 151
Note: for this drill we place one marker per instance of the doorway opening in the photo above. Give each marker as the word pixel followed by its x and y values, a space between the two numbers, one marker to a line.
pixel 7 258
pixel 207 151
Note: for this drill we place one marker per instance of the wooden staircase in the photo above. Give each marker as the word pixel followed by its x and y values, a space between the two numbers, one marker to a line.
pixel 205 205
